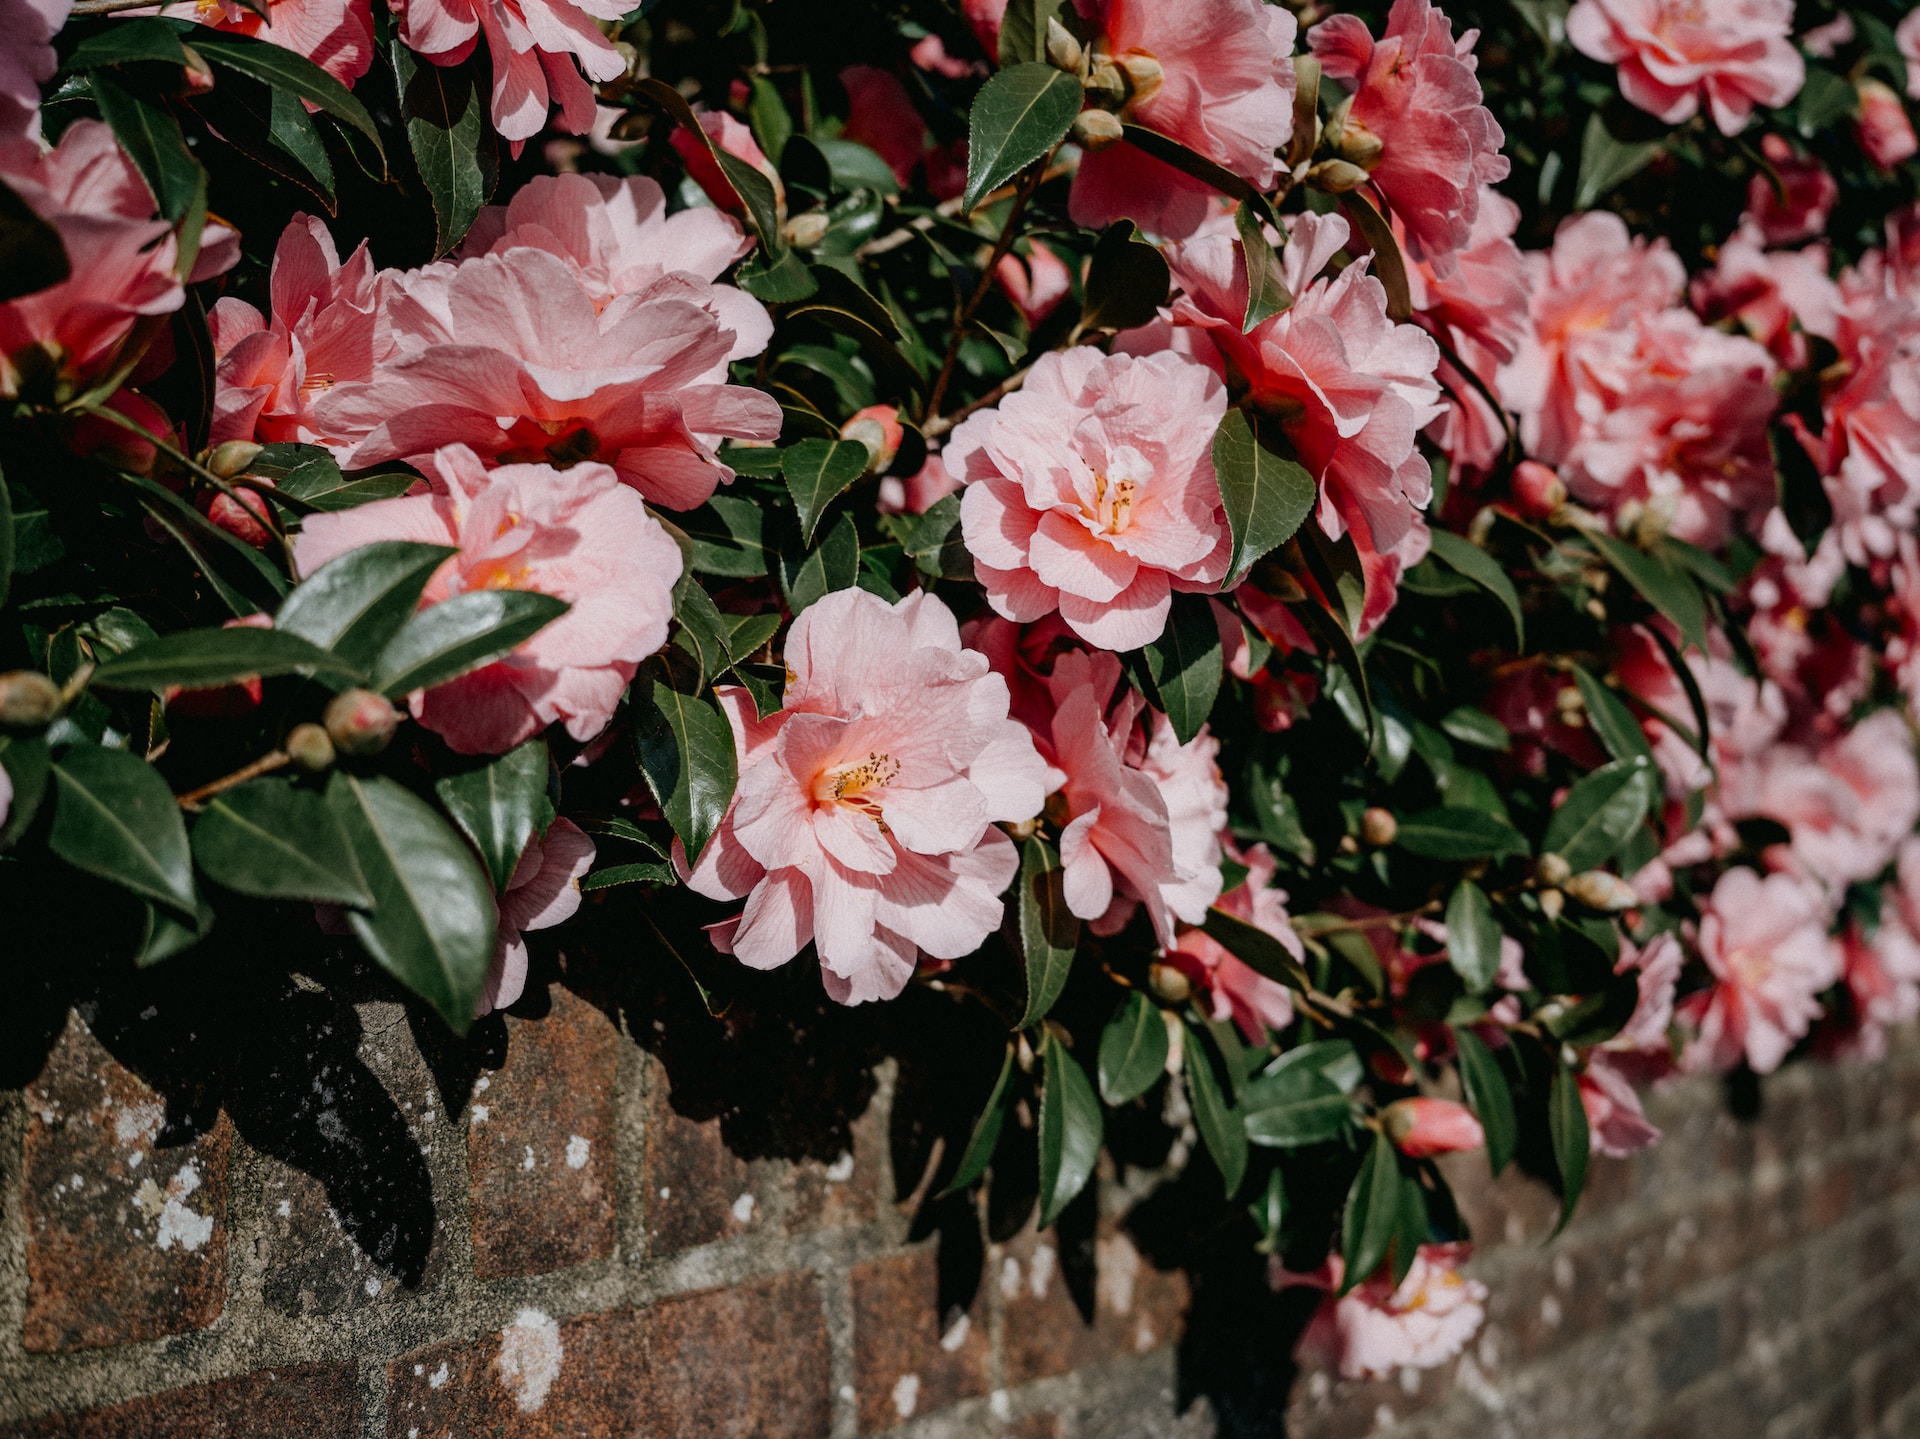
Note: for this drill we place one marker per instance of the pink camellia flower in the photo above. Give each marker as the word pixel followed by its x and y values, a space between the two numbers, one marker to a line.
pixel 1886 134
pixel 618 239
pixel 737 140
pixel 544 891
pixel 1906 35
pixel 322 332
pixel 1798 210
pixel 1671 53
pixel 1376 1329
pixel 337 35
pixel 534 45
pixel 578 535
pixel 1773 293
pixel 985 16
pixel 522 368
pixel 1421 1128
pixel 1617 1124
pixel 1237 990
pixel 1846 807
pixel 1416 123
pixel 865 816
pixel 26 62
pixel 1883 975
pixel 1348 386
pixel 122 259
pixel 881 115
pixel 1036 283
pixel 1214 75
pixel 1765 940
pixel 1091 491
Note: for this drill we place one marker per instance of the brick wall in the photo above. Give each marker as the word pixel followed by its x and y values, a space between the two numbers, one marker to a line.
pixel 238 1206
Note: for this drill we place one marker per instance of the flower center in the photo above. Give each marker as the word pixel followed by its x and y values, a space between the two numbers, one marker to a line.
pixel 560 443
pixel 856 786
pixel 1112 504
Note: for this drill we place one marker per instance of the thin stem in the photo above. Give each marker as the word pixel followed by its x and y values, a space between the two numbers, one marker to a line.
pixel 266 764
pixel 940 424
pixel 85 8
pixel 1370 921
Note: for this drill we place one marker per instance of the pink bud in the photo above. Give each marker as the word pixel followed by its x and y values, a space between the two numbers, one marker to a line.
pixel 360 722
pixel 878 428
pixel 1423 1128
pixel 1537 490
pixel 242 518
pixel 1037 284
pixel 1886 134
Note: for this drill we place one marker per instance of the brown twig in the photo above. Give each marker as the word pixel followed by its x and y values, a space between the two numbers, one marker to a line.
pixel 266 764
pixel 84 8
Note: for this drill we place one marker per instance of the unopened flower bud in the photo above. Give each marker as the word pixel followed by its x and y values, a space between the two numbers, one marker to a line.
pixel 1169 983
pixel 28 699
pixel 1552 903
pixel 1104 83
pixel 360 722
pixel 1336 177
pixel 1391 1067
pixel 242 518
pixel 1422 1128
pixel 310 747
pixel 803 232
pixel 1096 129
pixel 878 428
pixel 1537 491
pixel 1144 76
pixel 231 457
pixel 1378 827
pixel 1360 146
pixel 1552 870
pixel 1063 51
pixel 1597 889
pixel 196 74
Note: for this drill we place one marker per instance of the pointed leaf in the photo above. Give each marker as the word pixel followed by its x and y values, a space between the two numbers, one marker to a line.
pixel 28 766
pixel 937 544
pixel 1466 558
pixel 1254 946
pixel 1572 1143
pixel 1221 1127
pixel 500 805
pixel 1023 30
pixel 1610 718
pixel 833 565
pixel 1133 1050
pixel 1187 664
pixel 1049 932
pixel 985 1138
pixel 1600 811
pixel 285 73
pixel 207 659
pixel 245 579
pixel 166 934
pixel 817 472
pixel 1607 163
pixel 1389 265
pixel 152 139
pixel 1295 1107
pixel 755 190
pixel 1127 280
pixel 355 604
pixel 685 750
pixel 276 840
pixel 114 816
pixel 1267 292
pixel 1188 162
pixel 1264 488
pixel 128 42
pixel 1017 118
pixel 1673 594
pixel 1372 1214
pixel 1070 1128
pixel 1473 936
pixel 1485 1085
pixel 1459 833
pixel 447 640
pixel 448 130
pixel 291 130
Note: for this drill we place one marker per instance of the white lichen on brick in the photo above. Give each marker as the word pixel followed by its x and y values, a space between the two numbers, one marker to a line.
pixel 578 1150
pixel 530 1358
pixel 906 1395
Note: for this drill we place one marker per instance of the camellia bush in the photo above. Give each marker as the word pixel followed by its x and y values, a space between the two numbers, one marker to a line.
pixel 1347 579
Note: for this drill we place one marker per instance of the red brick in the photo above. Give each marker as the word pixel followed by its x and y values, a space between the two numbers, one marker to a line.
pixel 1136 1307
pixel 540 1144
pixel 846 1191
pixel 126 1225
pixel 696 1189
pixel 315 1402
pixel 903 1363
pixel 749 1361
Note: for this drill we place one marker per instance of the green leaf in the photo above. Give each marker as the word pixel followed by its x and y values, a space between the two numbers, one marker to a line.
pixel 1457 833
pixel 446 640
pixel 290 129
pixel 1606 163
pixel 165 934
pixel 1070 1128
pixel 1485 1085
pixel 355 604
pixel 986 1130
pixel 28 765
pixel 817 472
pixel 1801 492
pixel 276 840
pixel 1610 718
pixel 1372 1214
pixel 1264 488
pixel 285 72
pixel 1473 936
pixel 1477 728
pixel 1023 30
pixel 755 190
pixel 1017 118
pixel 1572 1144
pixel 1389 265
pixel 1221 1128
pixel 1337 1059
pixel 834 565
pixel 772 125
pixel 320 485
pixel 726 534
pixel 432 923
pixel 685 750
pixel 1127 280
pixel 1599 812
pixel 1187 664
pixel 1049 932
pixel 152 139
pixel 6 525
pixel 447 128
pixel 1294 1108
pixel 1464 557
pixel 1673 594
pixel 500 805
pixel 1255 947
pixel 245 579
pixel 32 256
pixel 1409 1229
pixel 128 42
pixel 1133 1050
pixel 618 874
pixel 702 627
pixel 1267 292
pixel 937 544
pixel 207 659
pixel 114 816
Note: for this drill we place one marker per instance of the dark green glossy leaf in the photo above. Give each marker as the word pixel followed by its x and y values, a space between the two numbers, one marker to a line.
pixel 277 840
pixel 500 805
pixel 1023 30
pixel 937 545
pixel 245 579
pixel 755 190
pixel 114 816
pixel 1254 946
pixel 32 256
pixel 165 934
pixel 1187 664
pixel 833 565
pixel 1133 1050
pixel 1476 727
pixel 1127 280
pixel 1221 1128
pixel 1294 1108
pixel 1610 718
pixel 1606 163
pixel 285 72
pixel 1468 559
pixel 151 137
pixel 1070 1128
pixel 1017 118
pixel 1337 1059
pixel 1049 932
pixel 1485 1085
pixel 1600 811
pixel 1186 161
pixel 726 535
pixel 618 874
pixel 1372 1214
pixel 1409 1229
pixel 1473 936
pixel 818 472
pixel 1673 594
pixel 685 749
pixel 447 640
pixel 1267 292
pixel 28 766
pixel 1389 265
pixel 1457 833
pixel 432 922
pixel 320 485
pixel 452 142
pixel 141 39
pixel 291 130
pixel 986 1130
pixel 1264 488
pixel 207 659
pixel 355 604
pixel 1572 1143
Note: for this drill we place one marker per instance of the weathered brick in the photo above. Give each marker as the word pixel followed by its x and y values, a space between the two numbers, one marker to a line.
pixel 126 1219
pixel 313 1402
pixel 907 1360
pixel 845 1191
pixel 752 1360
pixel 1136 1307
pixel 540 1144
pixel 697 1190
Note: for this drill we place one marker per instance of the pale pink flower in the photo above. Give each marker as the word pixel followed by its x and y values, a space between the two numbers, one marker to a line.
pixel 122 259
pixel 519 365
pixel 1658 964
pixel 1416 124
pixel 534 46
pixel 865 816
pixel 578 535
pixel 1214 75
pixel 544 891
pixel 1886 134
pixel 1091 491
pixel 881 115
pixel 1671 53
pixel 26 62
pixel 1036 283
pixel 1824 40
pixel 1422 1127
pixel 1235 989
pixel 1903 644
pixel 1884 975
pixel 1906 36
pixel 337 35
pixel 1376 1329
pixel 1616 1123
pixel 930 53
pixel 1766 942
pixel 1349 387
pixel 735 139
pixel 1798 210
pixel 1773 293
pixel 618 239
